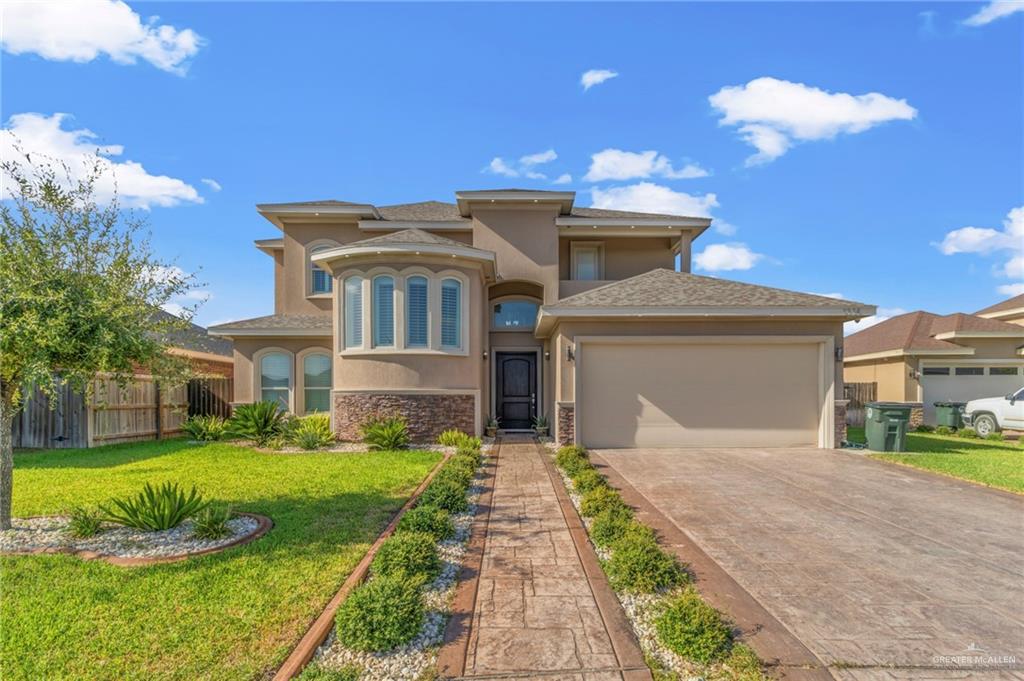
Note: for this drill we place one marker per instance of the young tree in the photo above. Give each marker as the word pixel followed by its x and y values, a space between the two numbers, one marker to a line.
pixel 79 286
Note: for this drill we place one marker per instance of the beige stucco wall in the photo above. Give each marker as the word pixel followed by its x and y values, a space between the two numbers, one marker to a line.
pixel 246 349
pixel 992 348
pixel 623 257
pixel 526 243
pixel 894 377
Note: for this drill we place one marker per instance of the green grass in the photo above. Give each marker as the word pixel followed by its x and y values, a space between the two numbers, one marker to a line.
pixel 996 464
pixel 233 615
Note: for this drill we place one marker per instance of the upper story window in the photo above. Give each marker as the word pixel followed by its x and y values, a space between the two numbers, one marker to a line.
pixel 276 379
pixel 353 305
pixel 587 257
pixel 319 280
pixel 514 315
pixel 383 311
pixel 417 307
pixel 451 311
pixel 316 383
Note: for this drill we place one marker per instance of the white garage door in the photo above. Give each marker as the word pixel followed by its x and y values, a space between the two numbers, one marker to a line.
pixel 686 394
pixel 962 383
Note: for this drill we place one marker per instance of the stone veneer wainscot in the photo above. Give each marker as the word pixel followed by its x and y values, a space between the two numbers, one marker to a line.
pixel 427 415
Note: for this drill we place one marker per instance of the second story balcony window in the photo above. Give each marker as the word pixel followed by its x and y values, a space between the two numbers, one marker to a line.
pixel 587 260
pixel 319 280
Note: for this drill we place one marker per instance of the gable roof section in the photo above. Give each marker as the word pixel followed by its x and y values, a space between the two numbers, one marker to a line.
pixel 1006 308
pixel 922 332
pixel 277 325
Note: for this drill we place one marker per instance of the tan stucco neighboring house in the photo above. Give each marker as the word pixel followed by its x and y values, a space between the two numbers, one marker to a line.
pixel 1010 310
pixel 520 304
pixel 923 358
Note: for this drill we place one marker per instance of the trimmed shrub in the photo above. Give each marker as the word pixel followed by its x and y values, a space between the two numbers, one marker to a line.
pixel 638 565
pixel 408 553
pixel 205 428
pixel 383 613
pixel 458 475
pixel 451 438
pixel 943 430
pixel 572 459
pixel 311 432
pixel 387 433
pixel 587 480
pixel 211 523
pixel 599 499
pixel 924 428
pixel 260 422
pixel 967 433
pixel 430 519
pixel 693 629
pixel 84 522
pixel 744 665
pixel 468 458
pixel 155 508
pixel 995 437
pixel 609 525
pixel 473 453
pixel 446 495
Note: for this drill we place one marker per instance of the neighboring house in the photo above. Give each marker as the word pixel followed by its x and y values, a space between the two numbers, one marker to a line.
pixel 923 358
pixel 1010 310
pixel 518 304
pixel 208 355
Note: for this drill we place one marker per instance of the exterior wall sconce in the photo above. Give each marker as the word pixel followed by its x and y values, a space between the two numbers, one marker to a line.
pixel 485 354
pixel 839 354
pixel 569 355
pixel 547 355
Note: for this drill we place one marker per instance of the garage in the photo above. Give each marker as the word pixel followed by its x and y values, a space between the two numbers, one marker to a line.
pixel 704 392
pixel 951 382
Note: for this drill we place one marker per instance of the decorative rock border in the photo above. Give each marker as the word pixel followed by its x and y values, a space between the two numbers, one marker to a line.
pixel 264 524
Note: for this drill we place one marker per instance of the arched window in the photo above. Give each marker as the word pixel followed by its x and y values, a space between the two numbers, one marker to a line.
pixel 316 383
pixel 319 280
pixel 514 315
pixel 276 378
pixel 383 311
pixel 353 312
pixel 451 306
pixel 416 325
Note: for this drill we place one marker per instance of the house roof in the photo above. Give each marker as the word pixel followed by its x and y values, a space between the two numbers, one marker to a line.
pixel 195 338
pixel 917 331
pixel 426 211
pixel 666 288
pixel 1015 303
pixel 410 236
pixel 277 325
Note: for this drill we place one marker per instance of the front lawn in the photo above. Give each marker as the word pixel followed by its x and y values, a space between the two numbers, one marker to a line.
pixel 232 615
pixel 996 464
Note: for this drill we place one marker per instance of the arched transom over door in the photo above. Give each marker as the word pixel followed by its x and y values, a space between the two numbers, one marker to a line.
pixel 516 389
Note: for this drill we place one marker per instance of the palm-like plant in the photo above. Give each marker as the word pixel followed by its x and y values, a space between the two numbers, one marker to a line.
pixel 260 422
pixel 155 508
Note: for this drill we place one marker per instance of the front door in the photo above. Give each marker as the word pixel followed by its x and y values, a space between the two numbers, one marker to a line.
pixel 515 389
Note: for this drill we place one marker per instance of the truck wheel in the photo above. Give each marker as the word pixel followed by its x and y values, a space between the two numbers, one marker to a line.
pixel 985 425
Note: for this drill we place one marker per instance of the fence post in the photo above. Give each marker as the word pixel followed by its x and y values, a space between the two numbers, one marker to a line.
pixel 159 411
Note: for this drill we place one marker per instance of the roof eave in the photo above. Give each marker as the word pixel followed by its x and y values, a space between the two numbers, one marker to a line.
pixel 430 225
pixel 484 258
pixel 1001 314
pixel 298 332
pixel 465 198
pixel 909 352
pixel 269 246
pixel 953 335
pixel 276 212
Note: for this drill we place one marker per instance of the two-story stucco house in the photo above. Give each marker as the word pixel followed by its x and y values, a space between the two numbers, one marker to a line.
pixel 517 304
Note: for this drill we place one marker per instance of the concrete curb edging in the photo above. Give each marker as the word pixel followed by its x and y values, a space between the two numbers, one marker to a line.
pixel 322 625
pixel 451 658
pixel 782 651
pixel 264 526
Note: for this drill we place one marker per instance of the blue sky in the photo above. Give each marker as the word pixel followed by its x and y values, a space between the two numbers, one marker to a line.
pixel 760 115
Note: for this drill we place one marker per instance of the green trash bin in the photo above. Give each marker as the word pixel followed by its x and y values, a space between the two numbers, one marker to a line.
pixel 885 425
pixel 950 414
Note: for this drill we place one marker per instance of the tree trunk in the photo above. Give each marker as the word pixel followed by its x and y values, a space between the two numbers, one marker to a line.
pixel 7 412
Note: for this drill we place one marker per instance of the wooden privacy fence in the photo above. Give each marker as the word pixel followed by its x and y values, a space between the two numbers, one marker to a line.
pixel 858 394
pixel 114 414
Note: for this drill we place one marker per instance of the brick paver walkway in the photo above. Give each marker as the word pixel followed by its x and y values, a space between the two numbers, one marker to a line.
pixel 535 611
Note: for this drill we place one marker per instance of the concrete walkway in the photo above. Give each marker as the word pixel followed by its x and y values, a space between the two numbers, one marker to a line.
pixel 536 614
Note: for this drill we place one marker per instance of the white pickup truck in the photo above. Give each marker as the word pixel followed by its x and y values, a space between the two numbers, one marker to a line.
pixel 992 414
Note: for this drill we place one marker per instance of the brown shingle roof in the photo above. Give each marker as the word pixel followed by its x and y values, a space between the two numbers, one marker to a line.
pixel 408 236
pixel 667 288
pixel 1008 304
pixel 917 331
pixel 423 211
pixel 605 213
pixel 305 322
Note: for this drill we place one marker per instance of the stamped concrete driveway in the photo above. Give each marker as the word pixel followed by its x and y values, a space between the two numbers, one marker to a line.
pixel 881 571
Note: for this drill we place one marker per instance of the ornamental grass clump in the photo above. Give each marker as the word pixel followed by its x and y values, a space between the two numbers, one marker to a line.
pixel 155 508
pixel 205 428
pixel 84 522
pixel 598 500
pixel 430 519
pixel 638 565
pixel 447 495
pixel 260 422
pixel 382 614
pixel 385 433
pixel 451 438
pixel 212 523
pixel 610 525
pixel 587 480
pixel 692 629
pixel 311 432
pixel 413 554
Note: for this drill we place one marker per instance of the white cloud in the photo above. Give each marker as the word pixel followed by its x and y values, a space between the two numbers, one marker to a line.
pixel 719 257
pixel 986 240
pixel 828 295
pixel 615 164
pixel 40 135
pixel 175 309
pixel 212 184
pixel 1011 289
pixel 83 30
pixel 994 10
pixel 564 178
pixel 883 314
pixel 525 167
pixel 773 114
pixel 499 167
pixel 647 197
pixel 724 228
pixel 595 77
pixel 538 158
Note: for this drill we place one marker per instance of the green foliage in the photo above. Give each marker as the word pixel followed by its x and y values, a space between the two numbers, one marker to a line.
pixel 430 519
pixel 317 672
pixel 599 499
pixel 638 565
pixel 211 523
pixel 456 438
pixel 413 554
pixel 609 525
pixel 967 433
pixel 383 613
pixel 693 629
pixel 924 428
pixel 155 508
pixel 943 430
pixel 259 422
pixel 474 456
pixel 205 428
pixel 311 432
pixel 540 422
pixel 84 522
pixel 742 664
pixel 587 479
pixel 995 437
pixel 446 495
pixel 385 433
pixel 572 459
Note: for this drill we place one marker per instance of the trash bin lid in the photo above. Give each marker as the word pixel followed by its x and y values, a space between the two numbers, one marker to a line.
pixel 950 404
pixel 888 405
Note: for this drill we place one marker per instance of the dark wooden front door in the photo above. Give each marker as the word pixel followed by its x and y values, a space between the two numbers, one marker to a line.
pixel 515 389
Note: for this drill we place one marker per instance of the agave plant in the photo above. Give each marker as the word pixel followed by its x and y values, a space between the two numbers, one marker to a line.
pixel 260 422
pixel 155 508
